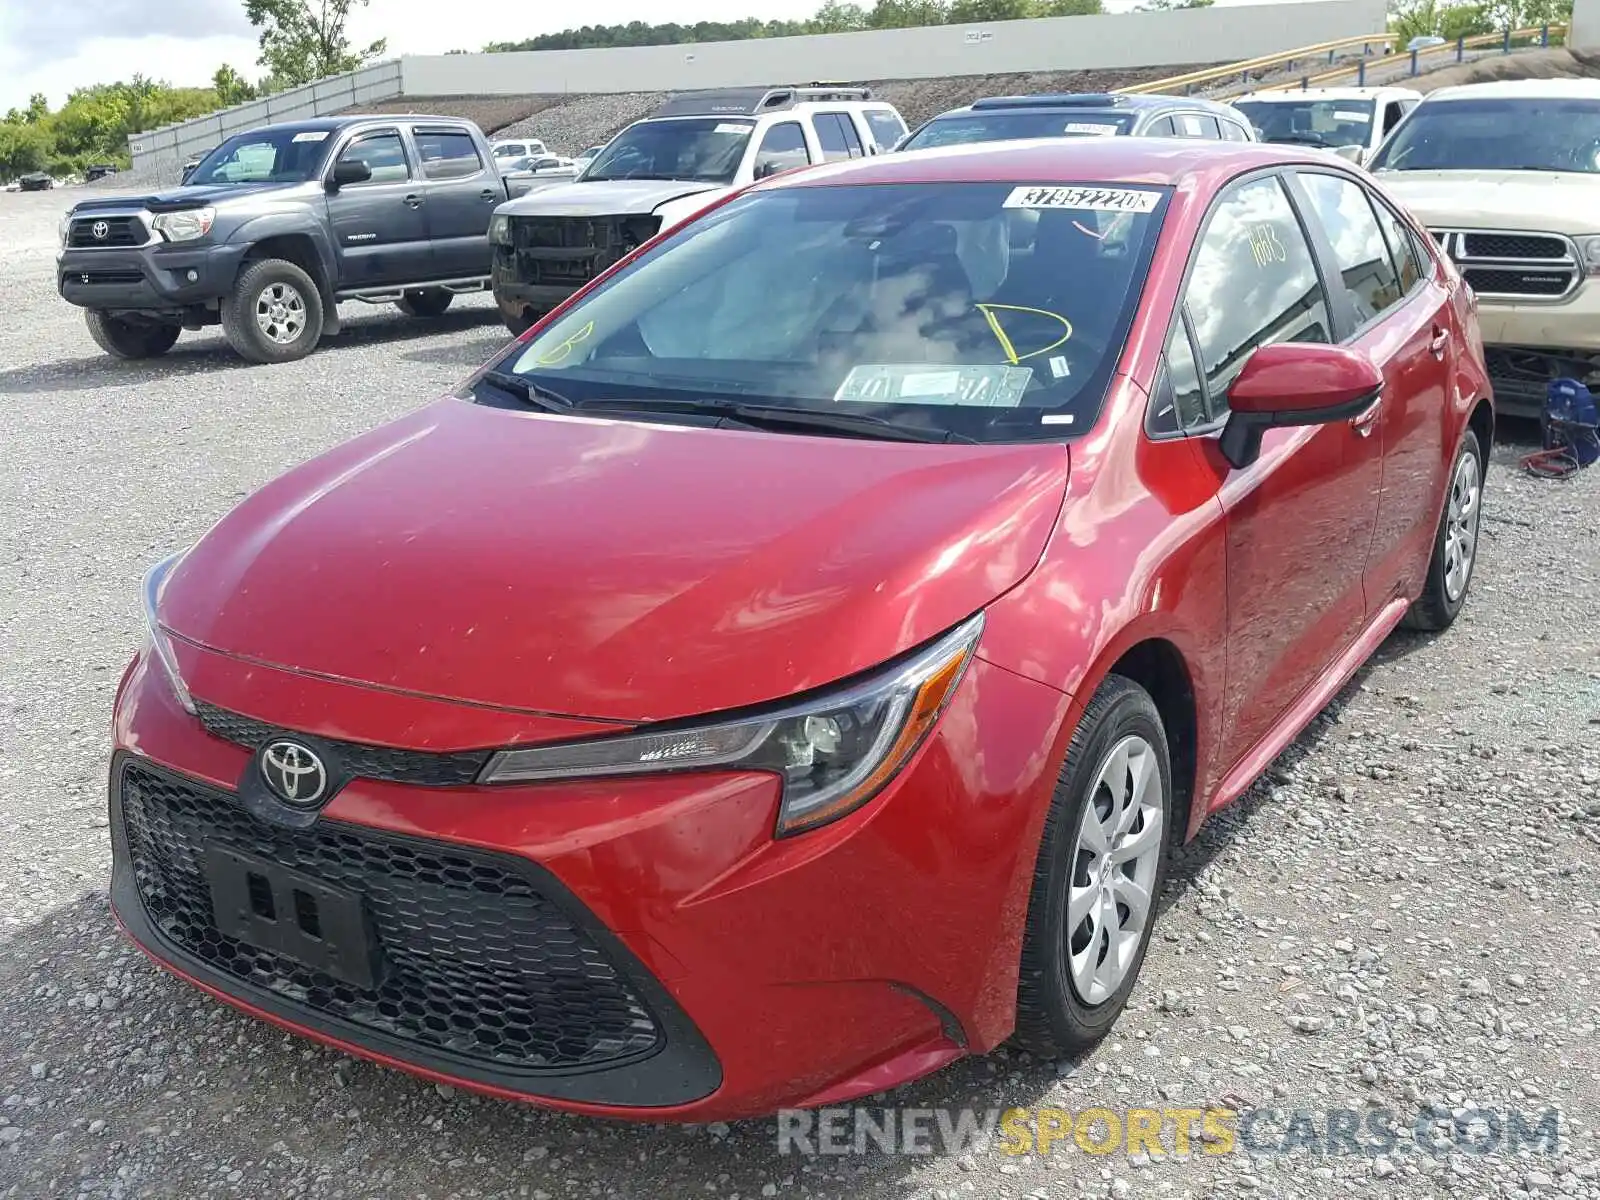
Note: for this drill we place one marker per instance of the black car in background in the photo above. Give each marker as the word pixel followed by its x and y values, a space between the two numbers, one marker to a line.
pixel 37 181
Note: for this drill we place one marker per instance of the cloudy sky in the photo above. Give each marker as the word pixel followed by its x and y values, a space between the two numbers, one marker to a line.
pixel 53 46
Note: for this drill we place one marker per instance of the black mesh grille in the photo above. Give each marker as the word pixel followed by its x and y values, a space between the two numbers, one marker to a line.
pixel 560 250
pixel 1513 245
pixel 119 231
pixel 367 762
pixel 1512 282
pixel 475 962
pixel 106 277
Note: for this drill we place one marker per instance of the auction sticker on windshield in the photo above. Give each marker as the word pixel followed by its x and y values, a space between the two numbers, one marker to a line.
pixel 1085 199
pixel 918 383
pixel 1091 128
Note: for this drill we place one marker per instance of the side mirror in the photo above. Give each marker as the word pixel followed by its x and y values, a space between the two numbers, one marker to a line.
pixel 767 169
pixel 347 171
pixel 1295 383
pixel 1355 154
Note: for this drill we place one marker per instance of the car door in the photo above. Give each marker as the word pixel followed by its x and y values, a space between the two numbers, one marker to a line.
pixel 1400 318
pixel 837 134
pixel 380 233
pixel 782 148
pixel 460 194
pixel 1299 519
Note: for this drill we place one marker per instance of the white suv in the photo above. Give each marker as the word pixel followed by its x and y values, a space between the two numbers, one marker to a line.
pixel 1350 121
pixel 665 168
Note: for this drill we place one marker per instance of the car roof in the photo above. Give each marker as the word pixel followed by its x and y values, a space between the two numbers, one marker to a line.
pixel 1284 95
pixel 1521 89
pixel 1152 161
pixel 1080 102
pixel 334 124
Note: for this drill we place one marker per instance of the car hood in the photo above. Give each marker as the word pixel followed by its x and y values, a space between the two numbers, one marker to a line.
pixel 190 197
pixel 1557 201
pixel 608 197
pixel 611 569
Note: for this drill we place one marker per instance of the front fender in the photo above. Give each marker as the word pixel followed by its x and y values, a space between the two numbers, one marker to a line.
pixel 257 229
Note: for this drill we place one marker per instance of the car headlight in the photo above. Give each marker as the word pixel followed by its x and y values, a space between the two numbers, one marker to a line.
pixel 1589 248
pixel 833 752
pixel 500 229
pixel 185 226
pixel 154 581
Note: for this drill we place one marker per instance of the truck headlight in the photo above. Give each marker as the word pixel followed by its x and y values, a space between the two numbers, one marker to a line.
pixel 1589 249
pixel 832 752
pixel 64 227
pixel 155 581
pixel 188 225
pixel 500 229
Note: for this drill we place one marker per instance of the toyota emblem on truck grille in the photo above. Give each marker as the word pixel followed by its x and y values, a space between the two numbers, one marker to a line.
pixel 100 229
pixel 294 773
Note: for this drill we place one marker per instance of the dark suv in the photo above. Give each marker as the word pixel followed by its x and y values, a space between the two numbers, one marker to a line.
pixel 276 226
pixel 1081 114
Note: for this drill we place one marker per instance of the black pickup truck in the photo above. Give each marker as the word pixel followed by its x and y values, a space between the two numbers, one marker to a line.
pixel 277 226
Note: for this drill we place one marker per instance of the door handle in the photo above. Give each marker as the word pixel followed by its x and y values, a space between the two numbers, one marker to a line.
pixel 1441 339
pixel 413 201
pixel 488 195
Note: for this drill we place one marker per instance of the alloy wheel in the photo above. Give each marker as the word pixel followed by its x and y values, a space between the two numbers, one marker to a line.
pixel 281 312
pixel 1110 898
pixel 1461 527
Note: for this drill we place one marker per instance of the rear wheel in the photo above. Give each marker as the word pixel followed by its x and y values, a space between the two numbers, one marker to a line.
pixel 424 302
pixel 122 337
pixel 1101 865
pixel 1455 545
pixel 274 314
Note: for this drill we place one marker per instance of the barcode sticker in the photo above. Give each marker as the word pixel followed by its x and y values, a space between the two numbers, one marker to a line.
pixel 1091 128
pixel 311 135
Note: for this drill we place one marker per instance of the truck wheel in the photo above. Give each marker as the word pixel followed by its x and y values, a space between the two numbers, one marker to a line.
pixel 274 314
pixel 424 302
pixel 122 338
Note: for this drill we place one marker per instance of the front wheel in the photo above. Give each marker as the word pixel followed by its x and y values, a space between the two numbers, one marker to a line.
pixel 274 314
pixel 121 337
pixel 424 302
pixel 1455 544
pixel 1102 861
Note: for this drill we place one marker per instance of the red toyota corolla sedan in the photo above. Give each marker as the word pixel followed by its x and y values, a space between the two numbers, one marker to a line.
pixel 784 670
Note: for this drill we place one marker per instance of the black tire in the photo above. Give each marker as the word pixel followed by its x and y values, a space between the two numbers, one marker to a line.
pixel 425 302
pixel 264 282
pixel 518 322
pixel 1053 1018
pixel 1436 609
pixel 124 338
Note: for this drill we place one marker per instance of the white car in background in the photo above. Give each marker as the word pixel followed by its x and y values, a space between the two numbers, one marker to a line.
pixel 1350 121
pixel 510 149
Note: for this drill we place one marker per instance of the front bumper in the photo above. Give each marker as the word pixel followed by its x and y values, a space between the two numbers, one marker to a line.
pixel 793 972
pixel 148 279
pixel 1528 344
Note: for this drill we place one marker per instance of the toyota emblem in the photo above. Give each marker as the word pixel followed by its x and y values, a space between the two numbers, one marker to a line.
pixel 294 773
pixel 101 230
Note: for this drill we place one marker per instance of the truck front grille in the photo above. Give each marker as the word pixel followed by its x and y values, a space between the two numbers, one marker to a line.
pixel 1513 264
pixel 93 231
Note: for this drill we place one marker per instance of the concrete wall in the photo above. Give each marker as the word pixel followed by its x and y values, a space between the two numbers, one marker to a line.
pixel 381 81
pixel 1185 36
pixel 1585 35
pixel 1056 44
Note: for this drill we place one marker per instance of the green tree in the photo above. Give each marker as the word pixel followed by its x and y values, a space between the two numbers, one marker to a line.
pixel 837 17
pixel 964 12
pixel 231 87
pixel 1171 5
pixel 1075 8
pixel 306 40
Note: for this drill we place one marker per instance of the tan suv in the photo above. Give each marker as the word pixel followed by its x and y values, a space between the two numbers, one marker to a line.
pixel 1506 176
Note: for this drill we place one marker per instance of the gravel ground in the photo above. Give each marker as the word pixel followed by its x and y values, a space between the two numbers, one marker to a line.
pixel 1406 911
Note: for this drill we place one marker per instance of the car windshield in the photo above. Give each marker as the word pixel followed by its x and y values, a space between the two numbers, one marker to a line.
pixel 266 156
pixel 1496 133
pixel 994 311
pixel 1310 122
pixel 702 149
pixel 1006 126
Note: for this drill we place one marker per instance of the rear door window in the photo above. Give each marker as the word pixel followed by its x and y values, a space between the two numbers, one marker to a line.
pixel 447 153
pixel 1232 131
pixel 1161 128
pixel 887 128
pixel 1196 125
pixel 783 148
pixel 1342 209
pixel 838 137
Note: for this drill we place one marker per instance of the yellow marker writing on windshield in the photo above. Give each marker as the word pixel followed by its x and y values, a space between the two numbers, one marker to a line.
pixel 559 353
pixel 989 310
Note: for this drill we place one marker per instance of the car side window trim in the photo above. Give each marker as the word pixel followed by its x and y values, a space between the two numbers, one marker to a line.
pixel 420 131
pixel 1162 390
pixel 367 135
pixel 1319 263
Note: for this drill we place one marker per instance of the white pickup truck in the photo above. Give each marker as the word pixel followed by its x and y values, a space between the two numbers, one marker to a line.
pixel 662 170
pixel 1350 121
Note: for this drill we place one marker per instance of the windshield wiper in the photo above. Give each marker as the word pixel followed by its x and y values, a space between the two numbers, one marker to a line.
pixel 525 389
pixel 768 416
pixel 1301 139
